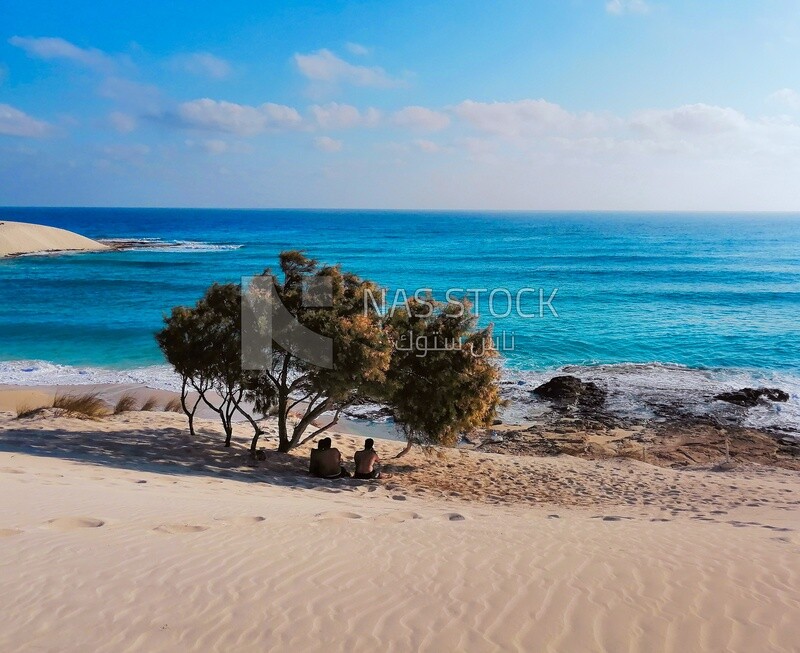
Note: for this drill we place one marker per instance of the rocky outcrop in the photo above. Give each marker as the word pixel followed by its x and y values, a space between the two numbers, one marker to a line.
pixel 570 389
pixel 749 397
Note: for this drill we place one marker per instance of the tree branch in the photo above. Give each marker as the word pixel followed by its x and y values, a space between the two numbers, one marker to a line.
pixel 333 422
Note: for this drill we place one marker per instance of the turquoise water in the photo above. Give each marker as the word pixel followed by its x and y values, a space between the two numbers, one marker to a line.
pixel 703 292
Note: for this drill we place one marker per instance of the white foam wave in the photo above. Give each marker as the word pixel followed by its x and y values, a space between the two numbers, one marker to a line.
pixel 33 373
pixel 637 391
pixel 178 246
pixel 644 391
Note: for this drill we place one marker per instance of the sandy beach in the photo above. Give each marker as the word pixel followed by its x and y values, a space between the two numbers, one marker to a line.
pixel 18 238
pixel 126 534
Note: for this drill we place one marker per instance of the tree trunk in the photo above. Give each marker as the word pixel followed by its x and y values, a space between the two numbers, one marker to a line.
pixel 409 444
pixel 254 443
pixel 283 432
pixel 189 413
pixel 226 423
pixel 308 418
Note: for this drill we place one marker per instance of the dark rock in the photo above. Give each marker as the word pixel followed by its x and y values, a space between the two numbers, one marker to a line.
pixel 570 389
pixel 497 422
pixel 749 397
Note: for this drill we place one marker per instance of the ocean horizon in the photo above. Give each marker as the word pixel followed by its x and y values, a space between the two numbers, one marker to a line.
pixel 647 303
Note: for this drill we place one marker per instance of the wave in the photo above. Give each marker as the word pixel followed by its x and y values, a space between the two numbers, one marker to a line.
pixel 639 391
pixel 647 391
pixel 33 373
pixel 152 244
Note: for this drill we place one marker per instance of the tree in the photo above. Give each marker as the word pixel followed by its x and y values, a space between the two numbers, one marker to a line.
pixel 330 304
pixel 308 342
pixel 178 343
pixel 203 344
pixel 442 380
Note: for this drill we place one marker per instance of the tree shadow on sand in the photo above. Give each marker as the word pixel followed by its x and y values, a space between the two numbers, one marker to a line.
pixel 165 450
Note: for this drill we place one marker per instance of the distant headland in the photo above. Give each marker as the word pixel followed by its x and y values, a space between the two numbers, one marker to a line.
pixel 22 238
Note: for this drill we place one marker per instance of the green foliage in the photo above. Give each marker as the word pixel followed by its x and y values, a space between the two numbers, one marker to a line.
pixel 436 390
pixel 361 349
pixel 203 344
pixel 443 376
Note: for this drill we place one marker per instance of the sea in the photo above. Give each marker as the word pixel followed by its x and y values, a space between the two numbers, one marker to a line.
pixel 657 307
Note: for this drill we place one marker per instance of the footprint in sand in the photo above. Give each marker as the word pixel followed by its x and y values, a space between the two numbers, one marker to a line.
pixel 9 532
pixel 241 520
pixel 11 470
pixel 73 523
pixel 613 518
pixel 399 497
pixel 396 517
pixel 455 516
pixel 337 516
pixel 180 529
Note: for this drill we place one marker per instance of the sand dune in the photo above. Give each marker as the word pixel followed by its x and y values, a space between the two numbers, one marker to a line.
pixel 126 535
pixel 23 238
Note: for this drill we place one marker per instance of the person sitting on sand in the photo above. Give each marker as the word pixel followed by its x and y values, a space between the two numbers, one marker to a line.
pixel 327 462
pixel 367 461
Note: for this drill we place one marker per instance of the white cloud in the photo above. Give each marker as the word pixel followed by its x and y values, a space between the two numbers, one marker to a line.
pixel 343 116
pixel 122 122
pixel 203 64
pixel 627 7
pixel 526 118
pixel 50 48
pixel 427 146
pixel 692 119
pixel 143 97
pixel 695 132
pixel 217 146
pixel 357 49
pixel 125 152
pixel 786 97
pixel 327 144
pixel 14 122
pixel 233 118
pixel 324 66
pixel 213 146
pixel 421 118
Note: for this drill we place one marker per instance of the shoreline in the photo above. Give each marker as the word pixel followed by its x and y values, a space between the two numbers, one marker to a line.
pixel 638 395
pixel 682 442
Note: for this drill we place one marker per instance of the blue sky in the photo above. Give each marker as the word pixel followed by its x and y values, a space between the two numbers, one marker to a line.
pixel 548 104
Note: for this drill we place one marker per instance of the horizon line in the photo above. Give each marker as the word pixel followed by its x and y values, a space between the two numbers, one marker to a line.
pixel 406 210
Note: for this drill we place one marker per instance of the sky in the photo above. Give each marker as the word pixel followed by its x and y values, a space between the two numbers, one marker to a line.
pixel 527 105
